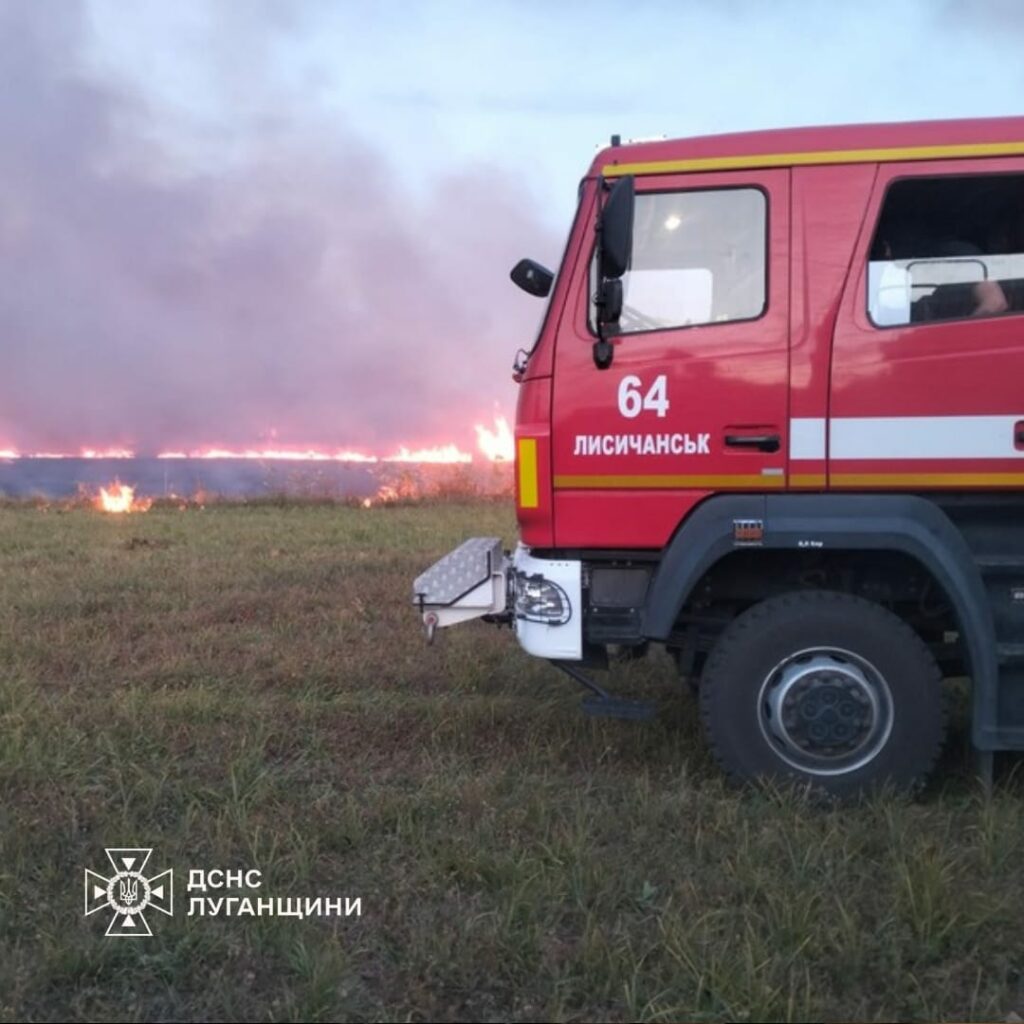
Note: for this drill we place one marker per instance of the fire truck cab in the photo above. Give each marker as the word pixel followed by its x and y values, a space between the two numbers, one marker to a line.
pixel 774 420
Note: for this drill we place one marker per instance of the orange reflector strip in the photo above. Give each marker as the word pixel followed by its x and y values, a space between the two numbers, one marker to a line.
pixel 928 479
pixel 825 156
pixel 657 481
pixel 528 472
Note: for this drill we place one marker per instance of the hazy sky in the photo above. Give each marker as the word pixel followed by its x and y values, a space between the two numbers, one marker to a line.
pixel 536 86
pixel 223 220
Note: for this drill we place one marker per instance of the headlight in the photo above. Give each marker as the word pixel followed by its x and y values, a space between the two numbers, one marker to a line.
pixel 541 600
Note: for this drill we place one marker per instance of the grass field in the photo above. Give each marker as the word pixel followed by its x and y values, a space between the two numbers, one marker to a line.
pixel 247 687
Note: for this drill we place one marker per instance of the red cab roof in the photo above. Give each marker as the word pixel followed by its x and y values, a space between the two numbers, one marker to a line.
pixel 854 143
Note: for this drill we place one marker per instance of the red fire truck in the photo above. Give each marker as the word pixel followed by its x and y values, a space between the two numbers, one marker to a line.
pixel 774 421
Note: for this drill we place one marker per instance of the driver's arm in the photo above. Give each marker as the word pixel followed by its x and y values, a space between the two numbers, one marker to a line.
pixel 990 299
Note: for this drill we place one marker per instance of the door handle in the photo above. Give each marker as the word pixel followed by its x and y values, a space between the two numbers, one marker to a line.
pixel 762 442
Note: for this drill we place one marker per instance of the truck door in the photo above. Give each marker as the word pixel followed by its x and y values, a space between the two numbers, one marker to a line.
pixel 696 399
pixel 928 354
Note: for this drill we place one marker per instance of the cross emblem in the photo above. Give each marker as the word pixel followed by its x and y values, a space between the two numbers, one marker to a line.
pixel 128 892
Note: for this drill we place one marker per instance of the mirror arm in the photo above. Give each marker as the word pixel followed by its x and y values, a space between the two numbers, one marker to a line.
pixel 602 349
pixel 608 307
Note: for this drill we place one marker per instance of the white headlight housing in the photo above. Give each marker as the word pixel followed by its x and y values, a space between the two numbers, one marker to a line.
pixel 541 600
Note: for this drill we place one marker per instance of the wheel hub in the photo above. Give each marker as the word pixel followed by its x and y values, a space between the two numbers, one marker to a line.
pixel 826 711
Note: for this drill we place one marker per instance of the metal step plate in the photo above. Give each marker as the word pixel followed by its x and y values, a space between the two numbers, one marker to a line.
pixel 459 573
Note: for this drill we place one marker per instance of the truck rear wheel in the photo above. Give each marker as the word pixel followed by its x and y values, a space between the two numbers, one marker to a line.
pixel 823 688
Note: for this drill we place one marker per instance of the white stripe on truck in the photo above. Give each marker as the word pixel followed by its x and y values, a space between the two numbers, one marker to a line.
pixel 906 437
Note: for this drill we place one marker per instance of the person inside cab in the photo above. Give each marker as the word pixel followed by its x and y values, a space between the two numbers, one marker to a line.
pixel 948 248
pixel 969 291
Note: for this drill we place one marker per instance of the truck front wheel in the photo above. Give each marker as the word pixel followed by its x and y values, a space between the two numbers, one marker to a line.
pixel 824 688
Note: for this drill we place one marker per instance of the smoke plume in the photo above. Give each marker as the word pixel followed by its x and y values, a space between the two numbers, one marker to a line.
pixel 297 290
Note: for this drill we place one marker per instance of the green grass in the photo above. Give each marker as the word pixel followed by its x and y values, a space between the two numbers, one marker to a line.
pixel 247 687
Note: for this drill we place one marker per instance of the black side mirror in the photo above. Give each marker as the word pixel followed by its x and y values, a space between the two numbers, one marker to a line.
pixel 615 231
pixel 614 249
pixel 532 277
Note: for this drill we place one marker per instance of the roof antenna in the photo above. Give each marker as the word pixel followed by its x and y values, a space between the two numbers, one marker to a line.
pixel 616 140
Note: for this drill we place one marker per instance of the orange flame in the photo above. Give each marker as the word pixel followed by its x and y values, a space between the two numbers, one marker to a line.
pixel 385 494
pixel 448 453
pixel 287 454
pixel 106 453
pixel 121 498
pixel 494 444
pixel 497 444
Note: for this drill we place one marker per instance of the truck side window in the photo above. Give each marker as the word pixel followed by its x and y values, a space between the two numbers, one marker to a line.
pixel 699 257
pixel 948 248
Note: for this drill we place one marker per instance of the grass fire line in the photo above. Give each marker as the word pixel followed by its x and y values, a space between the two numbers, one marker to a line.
pixel 495 443
pixel 243 686
pixel 405 474
pixel 399 483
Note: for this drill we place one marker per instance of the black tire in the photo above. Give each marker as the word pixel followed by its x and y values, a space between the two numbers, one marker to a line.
pixel 823 688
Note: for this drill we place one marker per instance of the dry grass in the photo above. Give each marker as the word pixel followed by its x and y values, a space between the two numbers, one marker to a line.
pixel 247 687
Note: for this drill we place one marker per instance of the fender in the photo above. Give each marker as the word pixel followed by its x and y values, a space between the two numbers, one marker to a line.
pixel 840 522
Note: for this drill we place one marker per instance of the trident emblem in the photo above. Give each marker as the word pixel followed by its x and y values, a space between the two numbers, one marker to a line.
pixel 128 892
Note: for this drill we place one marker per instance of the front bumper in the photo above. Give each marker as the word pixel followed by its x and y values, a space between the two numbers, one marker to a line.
pixel 540 597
